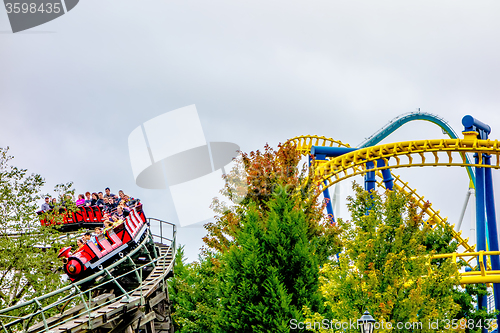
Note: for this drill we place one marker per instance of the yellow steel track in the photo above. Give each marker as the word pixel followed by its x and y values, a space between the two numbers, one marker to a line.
pixel 407 154
pixel 419 153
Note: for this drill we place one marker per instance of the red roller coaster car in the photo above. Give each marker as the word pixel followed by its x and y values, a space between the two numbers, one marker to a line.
pixel 113 242
pixel 83 217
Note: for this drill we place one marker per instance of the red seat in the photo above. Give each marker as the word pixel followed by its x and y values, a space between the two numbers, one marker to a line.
pixel 79 215
pixel 89 214
pixel 97 213
pixel 103 242
pixel 95 249
pixel 116 240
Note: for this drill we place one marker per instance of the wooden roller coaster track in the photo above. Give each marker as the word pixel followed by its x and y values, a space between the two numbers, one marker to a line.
pixel 110 305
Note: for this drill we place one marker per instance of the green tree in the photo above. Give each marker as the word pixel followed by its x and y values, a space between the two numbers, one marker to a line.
pixel 28 263
pixel 194 293
pixel 263 252
pixel 384 267
pixel 273 271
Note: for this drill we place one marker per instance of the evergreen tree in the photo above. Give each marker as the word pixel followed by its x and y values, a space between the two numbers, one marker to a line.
pixel 263 252
pixel 273 272
pixel 194 293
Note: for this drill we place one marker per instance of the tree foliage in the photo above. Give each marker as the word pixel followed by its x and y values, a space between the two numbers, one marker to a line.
pixel 262 254
pixel 273 271
pixel 194 293
pixel 28 265
pixel 252 183
pixel 271 257
pixel 384 267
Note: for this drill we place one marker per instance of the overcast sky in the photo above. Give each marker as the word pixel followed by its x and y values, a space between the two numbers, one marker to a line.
pixel 72 90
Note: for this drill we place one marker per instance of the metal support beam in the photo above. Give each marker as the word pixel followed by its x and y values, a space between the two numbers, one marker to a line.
pixel 462 213
pixel 386 173
pixel 480 220
pixel 492 227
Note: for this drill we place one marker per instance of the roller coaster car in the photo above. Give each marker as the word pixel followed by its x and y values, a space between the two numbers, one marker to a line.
pixel 84 217
pixel 113 243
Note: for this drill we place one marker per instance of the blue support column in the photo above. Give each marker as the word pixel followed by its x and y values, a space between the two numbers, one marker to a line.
pixel 370 178
pixel 370 182
pixel 388 179
pixel 480 218
pixel 492 227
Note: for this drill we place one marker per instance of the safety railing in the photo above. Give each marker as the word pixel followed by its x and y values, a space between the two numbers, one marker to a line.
pixel 167 230
pixel 75 293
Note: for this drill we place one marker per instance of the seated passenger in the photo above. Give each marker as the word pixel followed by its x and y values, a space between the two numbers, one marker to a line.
pixel 127 200
pixel 106 207
pixel 46 204
pixel 124 207
pixel 118 215
pixel 80 201
pixel 107 225
pixel 106 217
pixel 132 202
pixel 87 236
pixel 88 199
pixel 53 203
pixel 109 194
pixel 80 243
pixel 93 237
pixel 93 202
pixel 121 196
pixel 112 204
pixel 100 200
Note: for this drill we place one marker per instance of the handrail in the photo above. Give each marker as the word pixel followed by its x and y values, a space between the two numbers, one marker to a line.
pixel 78 283
pixel 81 293
pixel 174 231
pixel 78 293
pixel 113 300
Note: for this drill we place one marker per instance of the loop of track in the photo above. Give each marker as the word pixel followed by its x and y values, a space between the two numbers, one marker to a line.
pixel 407 154
pixel 351 164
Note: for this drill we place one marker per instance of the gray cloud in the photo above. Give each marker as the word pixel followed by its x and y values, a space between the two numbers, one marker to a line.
pixel 257 71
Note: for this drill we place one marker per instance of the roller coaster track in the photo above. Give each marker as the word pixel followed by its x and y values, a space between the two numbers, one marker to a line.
pixel 403 153
pixel 428 153
pixel 402 119
pixel 109 305
pixel 304 144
